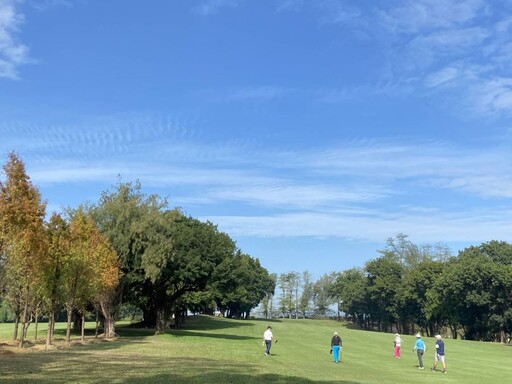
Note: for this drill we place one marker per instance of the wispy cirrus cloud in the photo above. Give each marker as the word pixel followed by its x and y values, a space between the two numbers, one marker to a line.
pixel 13 53
pixel 417 16
pixel 260 93
pixel 363 189
pixel 472 225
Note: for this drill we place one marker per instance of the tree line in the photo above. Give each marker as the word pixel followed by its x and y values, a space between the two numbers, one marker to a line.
pixel 128 248
pixel 411 287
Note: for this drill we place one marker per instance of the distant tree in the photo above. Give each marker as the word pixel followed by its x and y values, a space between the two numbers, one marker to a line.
pixel 267 300
pixel 384 276
pixel 240 283
pixel 414 298
pixel 350 287
pixel 306 294
pixel 474 293
pixel 409 254
pixel 285 283
pixel 322 295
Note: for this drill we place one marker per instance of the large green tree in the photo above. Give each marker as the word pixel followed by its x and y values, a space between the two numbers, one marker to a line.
pixel 384 276
pixel 474 292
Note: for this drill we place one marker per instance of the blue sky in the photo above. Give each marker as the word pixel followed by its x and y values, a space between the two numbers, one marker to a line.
pixel 310 131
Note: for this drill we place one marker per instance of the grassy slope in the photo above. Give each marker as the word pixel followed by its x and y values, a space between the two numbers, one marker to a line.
pixel 212 350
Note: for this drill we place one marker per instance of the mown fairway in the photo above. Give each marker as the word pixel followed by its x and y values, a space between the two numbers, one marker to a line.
pixel 213 350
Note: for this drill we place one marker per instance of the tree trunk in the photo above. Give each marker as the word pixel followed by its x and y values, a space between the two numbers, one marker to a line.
pixel 16 327
pixel 36 322
pixel 83 326
pixel 68 325
pixel 24 324
pixel 109 322
pixel 96 329
pixel 110 327
pixel 49 331
pixel 161 321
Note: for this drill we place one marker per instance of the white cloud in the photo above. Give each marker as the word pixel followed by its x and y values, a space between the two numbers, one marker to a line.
pixel 12 52
pixel 469 226
pixel 442 77
pixel 493 96
pixel 415 16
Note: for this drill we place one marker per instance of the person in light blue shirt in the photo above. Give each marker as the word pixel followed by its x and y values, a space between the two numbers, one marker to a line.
pixel 420 349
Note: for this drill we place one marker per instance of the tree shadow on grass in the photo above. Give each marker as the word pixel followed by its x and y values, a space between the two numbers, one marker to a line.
pixel 205 322
pixel 91 368
pixel 183 333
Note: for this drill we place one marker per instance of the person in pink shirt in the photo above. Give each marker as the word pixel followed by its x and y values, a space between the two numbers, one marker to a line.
pixel 397 343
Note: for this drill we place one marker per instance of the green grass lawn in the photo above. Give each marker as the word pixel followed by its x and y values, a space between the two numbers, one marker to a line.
pixel 215 350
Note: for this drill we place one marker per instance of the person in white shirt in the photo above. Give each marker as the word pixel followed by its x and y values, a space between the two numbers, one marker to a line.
pixel 267 338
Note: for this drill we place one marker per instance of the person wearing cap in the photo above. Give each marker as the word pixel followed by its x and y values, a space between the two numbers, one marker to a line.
pixel 439 356
pixel 267 339
pixel 397 343
pixel 420 349
pixel 336 347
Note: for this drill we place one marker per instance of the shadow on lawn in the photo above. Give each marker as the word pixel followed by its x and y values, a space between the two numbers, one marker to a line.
pixel 203 322
pixel 136 369
pixel 183 333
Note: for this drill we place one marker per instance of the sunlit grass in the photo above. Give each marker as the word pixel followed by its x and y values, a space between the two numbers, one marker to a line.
pixel 214 350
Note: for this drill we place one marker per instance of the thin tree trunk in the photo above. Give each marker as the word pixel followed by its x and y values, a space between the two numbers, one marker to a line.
pixel 49 331
pixel 24 324
pixel 68 325
pixel 36 323
pixel 16 327
pixel 96 331
pixel 83 326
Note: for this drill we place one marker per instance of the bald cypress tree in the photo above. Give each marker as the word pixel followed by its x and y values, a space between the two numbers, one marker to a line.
pixel 22 240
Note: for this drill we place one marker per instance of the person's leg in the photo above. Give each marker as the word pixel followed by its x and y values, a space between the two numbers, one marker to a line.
pixel 336 353
pixel 444 364
pixel 420 358
pixel 398 352
pixel 268 344
pixel 436 358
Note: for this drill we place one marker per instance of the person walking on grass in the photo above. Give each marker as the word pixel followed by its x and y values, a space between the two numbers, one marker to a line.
pixel 336 347
pixel 420 349
pixel 267 339
pixel 397 343
pixel 439 356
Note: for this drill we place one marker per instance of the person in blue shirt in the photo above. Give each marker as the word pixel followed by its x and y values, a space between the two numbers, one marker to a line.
pixel 420 349
pixel 439 356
